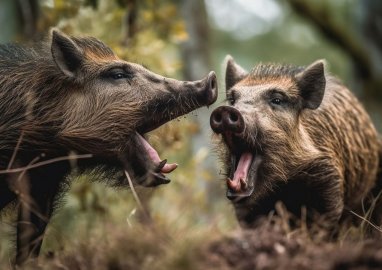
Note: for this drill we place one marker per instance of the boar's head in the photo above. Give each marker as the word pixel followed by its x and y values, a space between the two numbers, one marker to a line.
pixel 104 106
pixel 258 131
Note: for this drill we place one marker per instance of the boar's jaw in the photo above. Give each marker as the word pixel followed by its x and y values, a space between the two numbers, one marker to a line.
pixel 243 176
pixel 245 162
pixel 182 98
pixel 144 163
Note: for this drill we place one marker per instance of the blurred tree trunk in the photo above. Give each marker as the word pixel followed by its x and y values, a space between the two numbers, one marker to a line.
pixel 195 51
pixel 371 29
pixel 196 58
pixel 130 21
pixel 196 61
pixel 29 11
pixel 18 19
pixel 371 21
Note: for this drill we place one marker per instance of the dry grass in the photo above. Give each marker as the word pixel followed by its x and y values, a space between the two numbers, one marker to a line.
pixel 272 245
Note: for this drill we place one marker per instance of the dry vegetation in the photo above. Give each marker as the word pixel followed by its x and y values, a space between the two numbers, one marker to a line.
pixel 167 245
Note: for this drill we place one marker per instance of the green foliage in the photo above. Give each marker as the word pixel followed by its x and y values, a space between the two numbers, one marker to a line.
pixel 154 44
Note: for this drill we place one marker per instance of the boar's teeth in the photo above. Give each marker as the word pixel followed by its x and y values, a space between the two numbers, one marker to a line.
pixel 243 183
pixel 233 185
pixel 160 179
pixel 160 166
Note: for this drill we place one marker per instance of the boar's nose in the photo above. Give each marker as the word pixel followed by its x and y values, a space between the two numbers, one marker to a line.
pixel 212 88
pixel 226 118
pixel 208 93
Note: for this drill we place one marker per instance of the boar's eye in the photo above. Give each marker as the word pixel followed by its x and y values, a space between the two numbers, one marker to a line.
pixel 276 101
pixel 118 74
pixel 277 98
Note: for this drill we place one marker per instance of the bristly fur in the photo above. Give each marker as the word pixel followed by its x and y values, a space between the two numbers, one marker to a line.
pixel 268 71
pixel 324 158
pixel 94 45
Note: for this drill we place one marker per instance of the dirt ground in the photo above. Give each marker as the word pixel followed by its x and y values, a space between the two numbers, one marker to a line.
pixel 269 247
pixel 272 245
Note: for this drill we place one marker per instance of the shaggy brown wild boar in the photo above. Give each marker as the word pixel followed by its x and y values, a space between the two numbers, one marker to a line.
pixel 75 94
pixel 296 135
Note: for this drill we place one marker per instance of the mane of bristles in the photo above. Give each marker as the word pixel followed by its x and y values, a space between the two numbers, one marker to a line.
pixel 269 70
pixel 94 45
pixel 16 53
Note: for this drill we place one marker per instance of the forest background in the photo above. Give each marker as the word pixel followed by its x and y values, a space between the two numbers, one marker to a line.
pixel 186 39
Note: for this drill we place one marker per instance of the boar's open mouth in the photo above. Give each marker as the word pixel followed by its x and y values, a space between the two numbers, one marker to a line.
pixel 245 163
pixel 245 158
pixel 147 167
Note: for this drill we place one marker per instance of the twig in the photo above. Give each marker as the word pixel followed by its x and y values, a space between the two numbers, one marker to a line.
pixel 136 197
pixel 134 192
pixel 26 168
pixel 25 200
pixel 46 162
pixel 367 221
pixel 15 150
pixel 338 34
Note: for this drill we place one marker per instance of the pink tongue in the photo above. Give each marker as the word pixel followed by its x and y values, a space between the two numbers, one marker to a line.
pixel 241 173
pixel 153 154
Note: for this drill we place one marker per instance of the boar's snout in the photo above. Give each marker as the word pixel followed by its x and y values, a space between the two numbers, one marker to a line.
pixel 226 119
pixel 208 93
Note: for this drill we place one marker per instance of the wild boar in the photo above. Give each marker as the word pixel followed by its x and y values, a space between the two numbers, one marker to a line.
pixel 295 135
pixel 74 94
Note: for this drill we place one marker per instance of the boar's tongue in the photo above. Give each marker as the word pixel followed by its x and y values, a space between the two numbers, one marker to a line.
pixel 239 183
pixel 153 154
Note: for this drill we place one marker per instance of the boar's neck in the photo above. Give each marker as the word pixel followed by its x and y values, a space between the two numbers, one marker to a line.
pixel 30 100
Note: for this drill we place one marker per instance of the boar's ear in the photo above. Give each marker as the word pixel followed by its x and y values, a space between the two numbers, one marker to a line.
pixel 234 73
pixel 66 54
pixel 311 83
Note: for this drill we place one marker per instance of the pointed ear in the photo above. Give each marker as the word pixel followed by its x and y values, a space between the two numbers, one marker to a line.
pixel 66 54
pixel 234 73
pixel 311 83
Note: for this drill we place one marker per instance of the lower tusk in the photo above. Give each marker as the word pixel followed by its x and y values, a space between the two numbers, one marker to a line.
pixel 233 185
pixel 243 184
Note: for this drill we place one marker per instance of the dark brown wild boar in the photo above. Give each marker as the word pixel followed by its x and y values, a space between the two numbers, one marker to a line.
pixel 296 135
pixel 75 94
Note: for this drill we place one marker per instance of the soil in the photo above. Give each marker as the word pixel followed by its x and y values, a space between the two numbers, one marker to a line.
pixel 270 247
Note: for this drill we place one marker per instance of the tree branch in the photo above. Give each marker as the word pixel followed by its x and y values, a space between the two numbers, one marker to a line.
pixel 338 34
pixel 130 20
